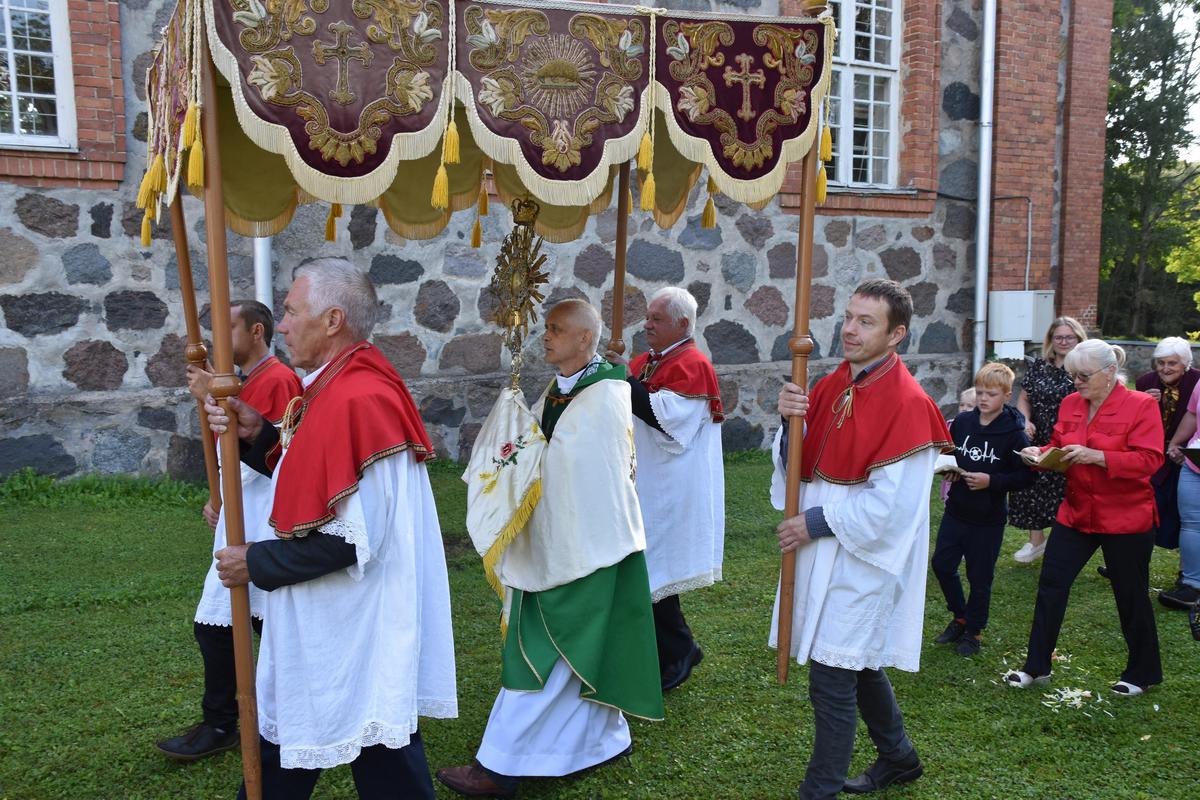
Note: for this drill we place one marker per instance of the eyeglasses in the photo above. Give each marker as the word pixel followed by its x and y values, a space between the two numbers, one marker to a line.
pixel 1066 339
pixel 1084 377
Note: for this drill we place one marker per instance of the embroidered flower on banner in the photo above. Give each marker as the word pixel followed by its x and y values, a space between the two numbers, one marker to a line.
pixel 625 43
pixel 412 89
pixel 497 94
pixel 617 99
pixel 272 77
pixel 693 101
pixel 679 51
pixel 422 31
pixel 253 17
pixel 486 38
pixel 509 452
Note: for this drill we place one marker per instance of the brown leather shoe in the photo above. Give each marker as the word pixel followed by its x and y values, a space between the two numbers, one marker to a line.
pixel 472 781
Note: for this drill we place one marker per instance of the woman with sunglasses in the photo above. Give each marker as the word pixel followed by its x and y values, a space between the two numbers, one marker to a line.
pixel 1113 443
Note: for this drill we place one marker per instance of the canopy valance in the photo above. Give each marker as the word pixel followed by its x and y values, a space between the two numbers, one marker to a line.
pixel 386 101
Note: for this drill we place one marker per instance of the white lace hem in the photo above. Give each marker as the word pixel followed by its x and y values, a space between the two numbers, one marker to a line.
pixel 219 621
pixel 355 535
pixel 686 585
pixel 437 709
pixel 373 733
pixel 831 657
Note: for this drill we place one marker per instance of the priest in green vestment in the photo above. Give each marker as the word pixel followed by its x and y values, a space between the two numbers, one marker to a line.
pixel 579 651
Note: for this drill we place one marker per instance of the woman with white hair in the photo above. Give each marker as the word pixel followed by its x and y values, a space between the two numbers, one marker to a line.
pixel 1171 382
pixel 1112 442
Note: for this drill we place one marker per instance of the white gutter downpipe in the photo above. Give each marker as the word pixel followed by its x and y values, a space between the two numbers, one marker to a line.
pixel 983 212
pixel 264 292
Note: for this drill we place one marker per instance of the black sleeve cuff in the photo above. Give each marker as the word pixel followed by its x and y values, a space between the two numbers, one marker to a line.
pixel 254 455
pixel 818 528
pixel 639 395
pixel 283 562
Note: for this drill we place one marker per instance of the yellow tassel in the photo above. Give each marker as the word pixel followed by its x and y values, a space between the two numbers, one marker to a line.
pixel 646 153
pixel 195 173
pixel 483 201
pixel 158 172
pixel 331 225
pixel 146 229
pixel 144 191
pixel 712 186
pixel 477 233
pixel 709 218
pixel 190 125
pixel 452 143
pixel 441 189
pixel 648 192
pixel 822 184
pixel 629 202
pixel 826 144
pixel 336 210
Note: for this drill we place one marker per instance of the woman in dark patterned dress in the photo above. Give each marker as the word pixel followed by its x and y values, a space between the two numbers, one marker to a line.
pixel 1043 388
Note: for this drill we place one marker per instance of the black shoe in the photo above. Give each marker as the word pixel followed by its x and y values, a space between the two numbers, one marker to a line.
pixel 883 774
pixel 1194 621
pixel 968 645
pixel 1102 571
pixel 1182 597
pixel 682 669
pixel 953 632
pixel 199 741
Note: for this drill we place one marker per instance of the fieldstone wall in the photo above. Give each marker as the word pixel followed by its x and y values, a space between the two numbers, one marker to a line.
pixel 92 333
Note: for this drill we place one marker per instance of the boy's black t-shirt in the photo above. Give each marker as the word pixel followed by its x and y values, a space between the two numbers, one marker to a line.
pixel 988 449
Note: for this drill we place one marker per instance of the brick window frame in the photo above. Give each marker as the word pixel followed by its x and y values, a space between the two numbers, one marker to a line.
pixel 98 160
pixel 920 109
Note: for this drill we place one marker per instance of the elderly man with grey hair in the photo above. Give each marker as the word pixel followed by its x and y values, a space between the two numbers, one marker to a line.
pixel 681 477
pixel 357 639
pixel 1171 381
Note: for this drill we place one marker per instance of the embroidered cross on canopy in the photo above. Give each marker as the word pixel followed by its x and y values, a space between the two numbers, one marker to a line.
pixel 349 101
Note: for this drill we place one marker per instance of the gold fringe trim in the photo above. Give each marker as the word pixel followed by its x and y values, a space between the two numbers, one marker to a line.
pixel 453 143
pixel 191 125
pixel 645 157
pixel 822 185
pixel 146 229
pixel 483 200
pixel 477 234
pixel 336 210
pixel 826 144
pixel 666 218
pixel 259 228
pixel 629 201
pixel 709 218
pixel 648 192
pixel 331 226
pixel 520 518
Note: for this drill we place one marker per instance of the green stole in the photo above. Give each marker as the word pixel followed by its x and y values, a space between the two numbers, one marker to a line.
pixel 601 625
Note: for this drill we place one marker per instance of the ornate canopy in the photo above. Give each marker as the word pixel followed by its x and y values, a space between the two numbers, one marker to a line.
pixel 405 103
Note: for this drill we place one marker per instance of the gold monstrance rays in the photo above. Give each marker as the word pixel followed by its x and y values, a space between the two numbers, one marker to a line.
pixel 516 280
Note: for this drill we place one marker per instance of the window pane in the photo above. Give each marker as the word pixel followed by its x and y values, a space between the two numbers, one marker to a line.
pixel 862 87
pixel 879 170
pixel 38 116
pixel 835 110
pixel 879 115
pixel 6 119
pixel 35 5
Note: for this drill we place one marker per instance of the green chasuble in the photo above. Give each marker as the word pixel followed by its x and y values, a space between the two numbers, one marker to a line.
pixel 601 625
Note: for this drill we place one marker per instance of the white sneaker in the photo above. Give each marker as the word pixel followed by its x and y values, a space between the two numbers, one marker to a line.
pixel 1019 679
pixel 1030 552
pixel 1126 689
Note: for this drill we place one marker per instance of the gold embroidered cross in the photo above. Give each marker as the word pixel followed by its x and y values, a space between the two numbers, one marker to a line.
pixel 341 94
pixel 747 79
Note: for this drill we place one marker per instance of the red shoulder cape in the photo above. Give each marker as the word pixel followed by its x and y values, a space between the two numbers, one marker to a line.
pixel 269 388
pixel 357 412
pixel 855 427
pixel 686 371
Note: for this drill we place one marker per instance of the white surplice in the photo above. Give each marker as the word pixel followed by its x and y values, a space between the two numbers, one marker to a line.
pixel 552 732
pixel 681 489
pixel 860 594
pixel 349 660
pixel 214 608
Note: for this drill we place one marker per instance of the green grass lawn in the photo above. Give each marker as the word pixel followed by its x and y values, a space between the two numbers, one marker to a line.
pixel 99 580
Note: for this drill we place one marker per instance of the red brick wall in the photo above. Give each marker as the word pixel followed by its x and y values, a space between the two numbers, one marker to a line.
pixel 920 104
pixel 99 109
pixel 1088 47
pixel 1028 54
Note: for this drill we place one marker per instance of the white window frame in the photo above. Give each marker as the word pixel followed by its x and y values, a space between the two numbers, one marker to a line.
pixel 847 67
pixel 67 138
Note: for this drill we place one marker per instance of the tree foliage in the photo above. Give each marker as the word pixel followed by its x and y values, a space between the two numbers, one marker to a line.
pixel 1150 201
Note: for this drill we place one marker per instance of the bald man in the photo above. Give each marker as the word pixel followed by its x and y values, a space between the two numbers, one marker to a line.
pixel 580 651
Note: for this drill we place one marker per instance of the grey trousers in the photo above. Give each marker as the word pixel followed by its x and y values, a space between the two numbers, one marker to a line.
pixel 838 697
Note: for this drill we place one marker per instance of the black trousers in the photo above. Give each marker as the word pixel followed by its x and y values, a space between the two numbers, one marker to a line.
pixel 1127 556
pixel 672 633
pixel 220 678
pixel 979 545
pixel 380 773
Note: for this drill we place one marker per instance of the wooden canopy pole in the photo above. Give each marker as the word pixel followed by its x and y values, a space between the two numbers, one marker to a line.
pixel 801 346
pixel 617 343
pixel 225 385
pixel 195 352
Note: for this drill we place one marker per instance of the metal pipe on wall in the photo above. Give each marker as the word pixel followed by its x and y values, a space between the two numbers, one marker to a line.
pixel 264 289
pixel 983 211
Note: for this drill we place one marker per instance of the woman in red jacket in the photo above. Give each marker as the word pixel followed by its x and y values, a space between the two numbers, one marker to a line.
pixel 1113 439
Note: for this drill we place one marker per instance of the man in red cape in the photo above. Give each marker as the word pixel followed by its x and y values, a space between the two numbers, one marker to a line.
pixel 268 385
pixel 861 540
pixel 357 639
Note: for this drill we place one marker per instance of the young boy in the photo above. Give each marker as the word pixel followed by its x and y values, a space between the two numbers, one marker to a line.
pixel 986 439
